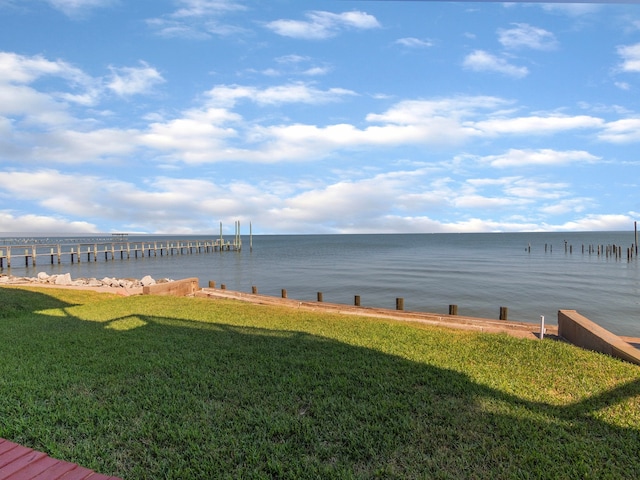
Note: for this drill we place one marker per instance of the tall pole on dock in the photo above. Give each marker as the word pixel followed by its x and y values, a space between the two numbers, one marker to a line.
pixel 220 236
pixel 635 227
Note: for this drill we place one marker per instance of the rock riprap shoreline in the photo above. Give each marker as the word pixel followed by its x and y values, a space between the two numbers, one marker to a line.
pixel 65 280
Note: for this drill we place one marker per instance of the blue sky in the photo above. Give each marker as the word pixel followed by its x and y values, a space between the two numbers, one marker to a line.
pixel 318 116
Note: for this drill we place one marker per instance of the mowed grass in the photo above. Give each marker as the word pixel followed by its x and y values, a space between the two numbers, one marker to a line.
pixel 180 388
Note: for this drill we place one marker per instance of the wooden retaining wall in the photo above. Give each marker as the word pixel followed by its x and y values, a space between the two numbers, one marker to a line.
pixel 521 329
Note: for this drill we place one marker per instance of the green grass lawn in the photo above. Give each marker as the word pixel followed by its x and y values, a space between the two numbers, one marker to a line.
pixel 161 387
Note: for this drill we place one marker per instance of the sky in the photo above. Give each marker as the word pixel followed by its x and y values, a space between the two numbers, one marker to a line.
pixel 318 116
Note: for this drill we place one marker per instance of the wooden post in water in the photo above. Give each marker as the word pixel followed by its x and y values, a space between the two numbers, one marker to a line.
pixel 212 284
pixel 320 297
pixel 284 293
pixel 399 303
pixel 503 313
pixel 356 300
pixel 254 290
pixel 453 309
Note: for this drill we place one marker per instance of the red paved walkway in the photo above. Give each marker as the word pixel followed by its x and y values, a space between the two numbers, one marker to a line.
pixel 22 463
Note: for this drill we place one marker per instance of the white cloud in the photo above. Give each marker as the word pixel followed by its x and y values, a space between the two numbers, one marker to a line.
pixel 31 223
pixel 546 157
pixel 523 35
pixel 621 131
pixel 316 71
pixel 564 206
pixel 321 25
pixel 198 19
pixel 74 8
pixel 537 124
pixel 203 8
pixel 214 133
pixel 571 9
pixel 297 65
pixel 126 81
pixel 481 61
pixel 412 42
pixel 20 100
pixel 630 57
pixel 198 136
pixel 74 147
pixel 420 111
pixel 596 222
pixel 227 96
pixel 22 69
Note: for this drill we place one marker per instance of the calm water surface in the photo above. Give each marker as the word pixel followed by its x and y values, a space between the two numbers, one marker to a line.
pixel 478 272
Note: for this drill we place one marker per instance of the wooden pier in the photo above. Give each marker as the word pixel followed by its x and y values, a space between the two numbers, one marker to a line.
pixel 32 255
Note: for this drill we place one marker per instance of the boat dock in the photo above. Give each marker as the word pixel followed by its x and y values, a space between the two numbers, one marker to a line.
pixel 108 250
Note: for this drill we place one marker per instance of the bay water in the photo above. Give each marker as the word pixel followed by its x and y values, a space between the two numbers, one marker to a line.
pixel 532 274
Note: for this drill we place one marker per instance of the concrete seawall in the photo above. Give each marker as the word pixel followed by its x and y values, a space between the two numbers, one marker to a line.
pixel 177 288
pixel 581 331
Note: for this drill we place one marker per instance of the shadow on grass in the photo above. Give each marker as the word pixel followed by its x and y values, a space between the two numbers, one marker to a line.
pixel 183 399
pixel 15 302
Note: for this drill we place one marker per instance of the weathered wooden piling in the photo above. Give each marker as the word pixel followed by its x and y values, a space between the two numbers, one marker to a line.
pixel 399 303
pixel 453 309
pixel 504 313
pixel 356 300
